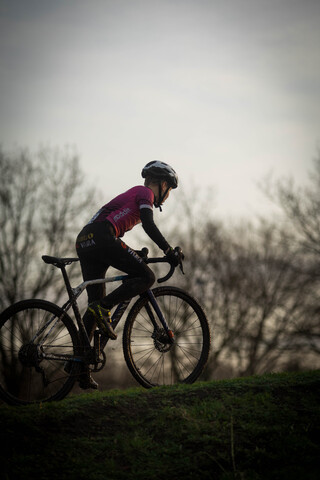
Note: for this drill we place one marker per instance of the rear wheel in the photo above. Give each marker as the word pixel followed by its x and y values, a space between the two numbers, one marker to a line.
pixel 152 357
pixel 28 331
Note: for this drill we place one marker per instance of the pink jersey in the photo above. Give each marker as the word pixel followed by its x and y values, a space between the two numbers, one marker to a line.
pixel 123 212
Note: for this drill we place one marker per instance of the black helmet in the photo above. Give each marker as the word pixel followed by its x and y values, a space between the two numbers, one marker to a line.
pixel 161 171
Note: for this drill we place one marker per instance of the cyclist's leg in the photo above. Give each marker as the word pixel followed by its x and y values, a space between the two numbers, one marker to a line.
pixel 89 242
pixel 98 248
pixel 91 270
pixel 141 277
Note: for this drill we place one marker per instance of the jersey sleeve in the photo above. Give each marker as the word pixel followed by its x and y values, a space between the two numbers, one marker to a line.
pixel 145 198
pixel 152 230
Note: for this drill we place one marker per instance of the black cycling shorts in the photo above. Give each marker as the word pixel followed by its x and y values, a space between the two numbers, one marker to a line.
pixel 98 248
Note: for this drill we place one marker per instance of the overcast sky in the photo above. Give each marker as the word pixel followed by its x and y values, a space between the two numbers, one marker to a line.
pixel 226 91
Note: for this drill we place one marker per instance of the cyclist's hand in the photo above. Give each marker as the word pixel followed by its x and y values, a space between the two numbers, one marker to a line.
pixel 175 256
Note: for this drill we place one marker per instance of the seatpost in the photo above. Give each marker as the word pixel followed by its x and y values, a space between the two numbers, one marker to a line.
pixel 66 281
pixel 70 291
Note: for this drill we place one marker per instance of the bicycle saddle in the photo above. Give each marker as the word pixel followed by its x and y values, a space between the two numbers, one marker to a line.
pixel 58 262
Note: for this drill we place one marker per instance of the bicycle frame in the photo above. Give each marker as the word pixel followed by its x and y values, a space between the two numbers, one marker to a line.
pixel 74 294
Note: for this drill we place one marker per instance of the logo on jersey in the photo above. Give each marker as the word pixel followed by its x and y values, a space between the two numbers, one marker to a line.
pixel 119 215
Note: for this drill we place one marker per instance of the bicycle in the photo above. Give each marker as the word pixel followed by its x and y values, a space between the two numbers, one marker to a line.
pixel 166 340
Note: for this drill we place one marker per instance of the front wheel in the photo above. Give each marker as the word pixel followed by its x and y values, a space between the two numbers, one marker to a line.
pixel 151 356
pixel 32 331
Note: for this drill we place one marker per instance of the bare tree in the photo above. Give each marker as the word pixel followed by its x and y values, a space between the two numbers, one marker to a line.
pixel 300 206
pixel 43 204
pixel 259 297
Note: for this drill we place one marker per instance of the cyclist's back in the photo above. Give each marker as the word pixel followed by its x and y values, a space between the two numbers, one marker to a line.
pixel 123 212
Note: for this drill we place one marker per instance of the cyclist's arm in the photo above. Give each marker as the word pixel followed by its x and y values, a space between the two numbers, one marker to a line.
pixel 151 229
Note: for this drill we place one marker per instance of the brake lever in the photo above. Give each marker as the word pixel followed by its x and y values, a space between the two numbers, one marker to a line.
pixel 181 268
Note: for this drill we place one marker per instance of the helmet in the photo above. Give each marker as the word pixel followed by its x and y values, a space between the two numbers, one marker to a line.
pixel 160 171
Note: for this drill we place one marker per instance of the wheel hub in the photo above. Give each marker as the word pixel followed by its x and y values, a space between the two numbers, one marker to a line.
pixel 161 341
pixel 28 355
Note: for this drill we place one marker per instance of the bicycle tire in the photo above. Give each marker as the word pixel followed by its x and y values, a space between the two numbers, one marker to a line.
pixel 153 363
pixel 35 381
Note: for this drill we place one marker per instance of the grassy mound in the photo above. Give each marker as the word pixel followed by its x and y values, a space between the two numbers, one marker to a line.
pixel 249 428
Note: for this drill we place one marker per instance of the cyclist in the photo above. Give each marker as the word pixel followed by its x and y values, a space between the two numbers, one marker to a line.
pixel 99 246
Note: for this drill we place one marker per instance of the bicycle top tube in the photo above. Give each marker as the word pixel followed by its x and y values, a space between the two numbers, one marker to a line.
pixel 79 289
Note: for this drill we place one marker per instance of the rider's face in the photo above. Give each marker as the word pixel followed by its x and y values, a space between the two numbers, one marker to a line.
pixel 164 187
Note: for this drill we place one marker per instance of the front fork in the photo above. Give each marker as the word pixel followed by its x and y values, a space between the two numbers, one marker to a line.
pixel 156 307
